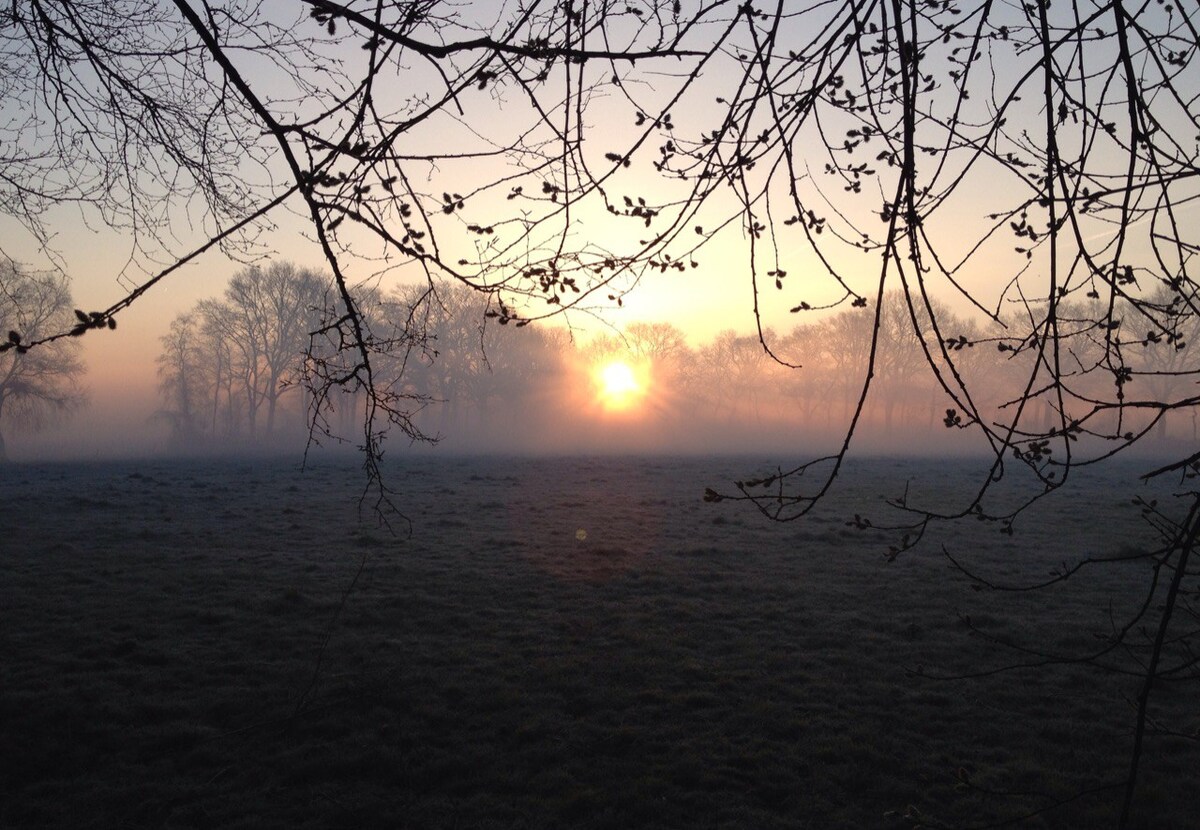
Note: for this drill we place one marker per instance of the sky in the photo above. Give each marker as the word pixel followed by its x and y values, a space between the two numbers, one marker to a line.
pixel 703 301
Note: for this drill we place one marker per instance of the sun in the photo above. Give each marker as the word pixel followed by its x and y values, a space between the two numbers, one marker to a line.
pixel 619 386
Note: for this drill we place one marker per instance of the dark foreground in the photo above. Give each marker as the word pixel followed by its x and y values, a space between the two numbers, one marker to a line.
pixel 173 655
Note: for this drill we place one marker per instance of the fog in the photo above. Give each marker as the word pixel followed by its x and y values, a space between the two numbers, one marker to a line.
pixel 481 387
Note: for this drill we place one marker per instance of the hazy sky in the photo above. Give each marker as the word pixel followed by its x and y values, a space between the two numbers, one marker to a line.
pixel 715 296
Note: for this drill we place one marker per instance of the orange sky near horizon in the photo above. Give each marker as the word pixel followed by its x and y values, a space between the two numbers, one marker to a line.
pixel 122 374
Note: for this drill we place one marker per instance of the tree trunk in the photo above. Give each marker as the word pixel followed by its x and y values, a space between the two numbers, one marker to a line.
pixel 252 404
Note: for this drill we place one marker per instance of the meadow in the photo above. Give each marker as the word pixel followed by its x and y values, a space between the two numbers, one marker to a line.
pixel 560 643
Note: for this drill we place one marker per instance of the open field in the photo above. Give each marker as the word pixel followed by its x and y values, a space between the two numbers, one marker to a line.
pixel 686 665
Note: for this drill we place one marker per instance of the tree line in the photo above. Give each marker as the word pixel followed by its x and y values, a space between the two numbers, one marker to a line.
pixel 231 371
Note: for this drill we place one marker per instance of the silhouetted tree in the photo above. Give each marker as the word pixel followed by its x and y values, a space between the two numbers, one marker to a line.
pixel 35 384
pixel 734 370
pixel 672 365
pixel 227 361
pixel 1163 358
pixel 845 342
pixel 1060 126
pixel 478 373
pixel 224 409
pixel 183 379
pixel 270 314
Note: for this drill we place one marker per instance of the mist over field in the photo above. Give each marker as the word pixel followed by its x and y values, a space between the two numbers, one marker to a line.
pixel 477 386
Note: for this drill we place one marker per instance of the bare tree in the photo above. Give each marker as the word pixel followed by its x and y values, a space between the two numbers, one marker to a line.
pixel 37 384
pixel 269 315
pixel 1164 360
pixel 1061 126
pixel 226 364
pixel 226 410
pixel 732 375
pixel 660 342
pixel 476 372
pixel 114 108
pixel 183 379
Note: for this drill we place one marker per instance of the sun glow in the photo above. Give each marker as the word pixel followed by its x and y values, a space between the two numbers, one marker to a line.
pixel 619 386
